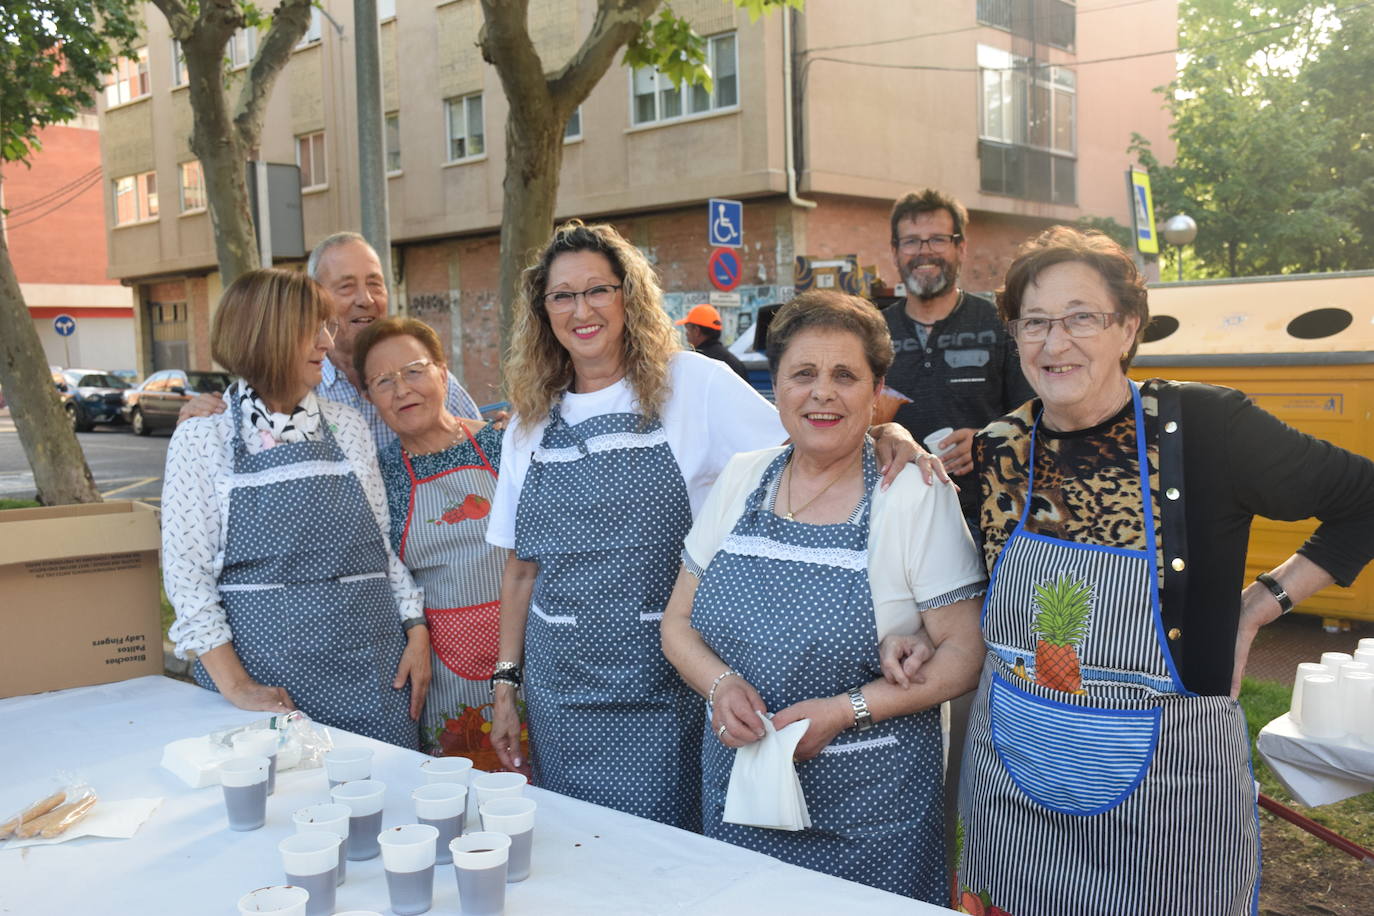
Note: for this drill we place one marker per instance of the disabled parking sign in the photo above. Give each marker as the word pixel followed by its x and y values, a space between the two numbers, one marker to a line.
pixel 725 223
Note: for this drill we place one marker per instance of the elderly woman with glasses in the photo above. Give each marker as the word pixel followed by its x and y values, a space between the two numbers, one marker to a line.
pixel 1107 765
pixel 272 531
pixel 440 475
pixel 618 434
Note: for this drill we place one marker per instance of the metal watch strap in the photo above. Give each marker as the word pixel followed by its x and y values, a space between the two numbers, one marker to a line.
pixel 1280 594
pixel 863 719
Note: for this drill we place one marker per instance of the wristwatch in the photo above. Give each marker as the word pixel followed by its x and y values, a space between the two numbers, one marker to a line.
pixel 863 719
pixel 506 673
pixel 1278 591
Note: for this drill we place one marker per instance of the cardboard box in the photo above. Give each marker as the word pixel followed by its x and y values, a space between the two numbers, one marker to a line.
pixel 79 600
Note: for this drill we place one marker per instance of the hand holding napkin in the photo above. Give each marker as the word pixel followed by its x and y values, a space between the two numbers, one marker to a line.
pixel 764 790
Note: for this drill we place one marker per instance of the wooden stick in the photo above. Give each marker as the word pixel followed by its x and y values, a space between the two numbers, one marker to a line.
pixel 1317 830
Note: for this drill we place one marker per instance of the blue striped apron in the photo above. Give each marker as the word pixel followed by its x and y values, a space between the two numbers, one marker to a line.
pixel 444 545
pixel 788 605
pixel 304 587
pixel 1113 789
pixel 603 511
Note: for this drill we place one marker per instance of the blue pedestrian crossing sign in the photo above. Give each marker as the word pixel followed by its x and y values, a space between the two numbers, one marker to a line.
pixel 64 325
pixel 725 223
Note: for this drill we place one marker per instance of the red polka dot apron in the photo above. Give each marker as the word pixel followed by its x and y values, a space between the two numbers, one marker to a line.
pixel 304 587
pixel 1093 781
pixel 444 546
pixel 603 511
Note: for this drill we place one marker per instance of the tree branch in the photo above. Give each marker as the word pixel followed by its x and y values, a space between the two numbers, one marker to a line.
pixel 289 24
pixel 505 43
pixel 617 23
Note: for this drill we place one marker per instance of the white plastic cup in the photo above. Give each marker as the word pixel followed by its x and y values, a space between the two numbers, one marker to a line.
pixel 311 860
pixel 932 442
pixel 447 769
pixel 480 862
pixel 364 798
pixel 408 854
pixel 1356 690
pixel 1348 668
pixel 1321 711
pixel 1295 705
pixel 259 742
pixel 497 785
pixel 515 818
pixel 1333 661
pixel 1365 655
pixel 345 764
pixel 279 900
pixel 327 819
pixel 443 806
pixel 244 780
pixel 1365 643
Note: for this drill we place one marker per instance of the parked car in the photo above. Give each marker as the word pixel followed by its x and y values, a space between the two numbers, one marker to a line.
pixel 129 375
pixel 91 396
pixel 156 403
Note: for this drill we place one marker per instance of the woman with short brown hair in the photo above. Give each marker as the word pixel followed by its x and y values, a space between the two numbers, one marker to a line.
pixel 273 511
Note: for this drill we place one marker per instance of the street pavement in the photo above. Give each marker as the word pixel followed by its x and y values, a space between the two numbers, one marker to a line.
pixel 125 466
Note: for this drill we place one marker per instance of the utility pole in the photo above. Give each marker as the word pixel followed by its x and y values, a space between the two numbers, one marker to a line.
pixel 376 223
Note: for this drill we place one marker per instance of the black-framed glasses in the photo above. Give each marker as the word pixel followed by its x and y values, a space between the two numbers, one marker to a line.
pixel 385 383
pixel 598 297
pixel 939 243
pixel 1078 324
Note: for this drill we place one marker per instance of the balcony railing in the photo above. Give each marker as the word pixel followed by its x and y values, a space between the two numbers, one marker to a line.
pixel 1026 172
pixel 1050 22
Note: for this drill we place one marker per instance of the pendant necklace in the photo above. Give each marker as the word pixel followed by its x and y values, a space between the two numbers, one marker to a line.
pixel 791 514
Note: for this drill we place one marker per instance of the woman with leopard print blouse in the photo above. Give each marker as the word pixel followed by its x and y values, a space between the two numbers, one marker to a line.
pixel 1107 766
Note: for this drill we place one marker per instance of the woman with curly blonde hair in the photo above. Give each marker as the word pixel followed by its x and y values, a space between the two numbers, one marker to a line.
pixel 617 435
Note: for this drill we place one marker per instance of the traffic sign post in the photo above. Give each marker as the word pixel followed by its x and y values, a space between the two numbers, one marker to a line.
pixel 1143 212
pixel 65 326
pixel 724 268
pixel 725 223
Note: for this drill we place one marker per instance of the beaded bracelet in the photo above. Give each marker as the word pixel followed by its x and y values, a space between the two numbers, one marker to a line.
pixel 711 694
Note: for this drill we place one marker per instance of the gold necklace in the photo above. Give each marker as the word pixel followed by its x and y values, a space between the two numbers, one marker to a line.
pixel 456 439
pixel 791 514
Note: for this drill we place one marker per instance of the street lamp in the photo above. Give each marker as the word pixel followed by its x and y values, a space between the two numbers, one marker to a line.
pixel 1180 230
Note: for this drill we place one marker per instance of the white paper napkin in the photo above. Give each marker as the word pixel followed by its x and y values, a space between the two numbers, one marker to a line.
pixel 117 819
pixel 764 790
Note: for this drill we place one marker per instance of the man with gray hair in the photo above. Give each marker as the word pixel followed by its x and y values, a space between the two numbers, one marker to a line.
pixel 348 269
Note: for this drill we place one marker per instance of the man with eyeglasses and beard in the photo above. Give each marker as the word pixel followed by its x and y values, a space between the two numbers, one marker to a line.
pixel 954 360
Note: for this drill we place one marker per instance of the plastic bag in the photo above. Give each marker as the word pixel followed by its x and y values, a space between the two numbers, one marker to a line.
pixel 301 745
pixel 54 813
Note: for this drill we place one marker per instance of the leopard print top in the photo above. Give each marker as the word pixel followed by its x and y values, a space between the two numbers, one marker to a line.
pixel 1087 484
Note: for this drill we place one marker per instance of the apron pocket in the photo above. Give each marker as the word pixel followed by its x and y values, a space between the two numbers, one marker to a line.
pixel 467 639
pixel 1067 758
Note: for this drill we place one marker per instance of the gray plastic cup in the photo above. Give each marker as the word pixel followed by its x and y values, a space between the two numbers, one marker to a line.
pixel 345 764
pixel 479 863
pixel 259 742
pixel 327 819
pixel 442 805
pixel 364 798
pixel 279 900
pixel 311 860
pixel 244 780
pixel 515 818
pixel 408 855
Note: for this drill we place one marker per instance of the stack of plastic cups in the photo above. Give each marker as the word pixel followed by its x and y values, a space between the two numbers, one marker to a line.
pixel 1305 670
pixel 1357 702
pixel 1320 712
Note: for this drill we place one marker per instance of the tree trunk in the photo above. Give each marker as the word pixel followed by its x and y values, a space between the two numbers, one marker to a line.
pixel 59 466
pixel 224 163
pixel 534 156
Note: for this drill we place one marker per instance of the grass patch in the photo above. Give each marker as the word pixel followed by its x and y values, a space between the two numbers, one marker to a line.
pixel 19 504
pixel 1264 701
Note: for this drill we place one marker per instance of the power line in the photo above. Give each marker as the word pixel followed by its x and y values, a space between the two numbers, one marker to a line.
pixel 35 217
pixel 56 192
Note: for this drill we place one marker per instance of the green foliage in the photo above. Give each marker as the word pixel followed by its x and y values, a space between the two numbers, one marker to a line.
pixel 1275 156
pixel 19 504
pixel 53 54
pixel 670 43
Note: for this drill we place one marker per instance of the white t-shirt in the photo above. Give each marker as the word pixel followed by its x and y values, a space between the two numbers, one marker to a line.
pixel 710 416
pixel 920 554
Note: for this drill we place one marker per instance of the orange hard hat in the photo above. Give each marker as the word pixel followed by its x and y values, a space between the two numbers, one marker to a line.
pixel 704 316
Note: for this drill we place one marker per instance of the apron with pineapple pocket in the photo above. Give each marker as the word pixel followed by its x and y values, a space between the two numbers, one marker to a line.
pixel 1093 780
pixel 445 548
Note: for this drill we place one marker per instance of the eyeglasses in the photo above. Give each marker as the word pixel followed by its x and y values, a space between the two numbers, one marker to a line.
pixel 330 329
pixel 598 297
pixel 1078 324
pixel 912 244
pixel 411 373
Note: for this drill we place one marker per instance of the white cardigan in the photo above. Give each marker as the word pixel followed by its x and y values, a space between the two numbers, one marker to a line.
pixel 920 554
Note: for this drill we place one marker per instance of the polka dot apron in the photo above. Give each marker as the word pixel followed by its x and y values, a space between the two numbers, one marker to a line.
pixel 444 545
pixel 604 511
pixel 304 586
pixel 1093 781
pixel 788 606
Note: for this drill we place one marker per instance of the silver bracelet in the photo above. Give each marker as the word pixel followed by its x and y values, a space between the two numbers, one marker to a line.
pixel 711 694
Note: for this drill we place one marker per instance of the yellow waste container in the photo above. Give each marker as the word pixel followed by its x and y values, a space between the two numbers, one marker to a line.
pixel 1302 347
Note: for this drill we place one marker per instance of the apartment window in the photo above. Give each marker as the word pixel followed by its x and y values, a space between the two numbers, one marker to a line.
pixel 310 157
pixel 386 9
pixel 129 80
pixel 135 198
pixel 180 76
pixel 573 129
pixel 655 98
pixel 393 142
pixel 192 182
pixel 465 134
pixel 1027 127
pixel 312 31
pixel 1050 22
pixel 243 44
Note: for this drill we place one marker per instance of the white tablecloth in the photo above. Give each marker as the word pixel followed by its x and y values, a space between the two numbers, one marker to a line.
pixel 185 860
pixel 1316 771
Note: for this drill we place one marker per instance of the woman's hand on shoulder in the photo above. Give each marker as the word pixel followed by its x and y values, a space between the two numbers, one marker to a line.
pixel 902 655
pixel 737 708
pixel 829 716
